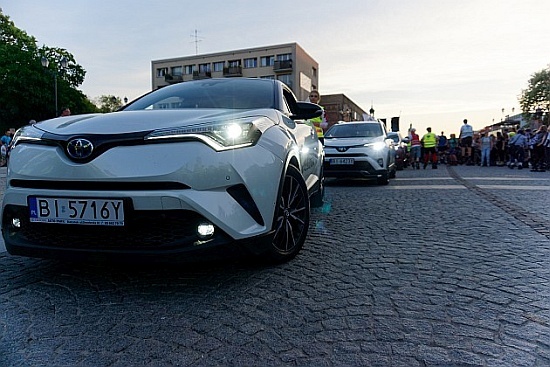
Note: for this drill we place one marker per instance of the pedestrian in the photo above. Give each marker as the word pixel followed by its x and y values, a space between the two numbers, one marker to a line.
pixel 442 146
pixel 517 146
pixel 538 158
pixel 429 141
pixel 416 148
pixel 65 111
pixel 500 149
pixel 465 137
pixel 486 146
pixel 6 138
pixel 453 150
pixel 546 145
pixel 318 123
pixel 3 154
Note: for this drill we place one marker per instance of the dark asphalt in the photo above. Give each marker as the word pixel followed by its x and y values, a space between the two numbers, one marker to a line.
pixel 446 267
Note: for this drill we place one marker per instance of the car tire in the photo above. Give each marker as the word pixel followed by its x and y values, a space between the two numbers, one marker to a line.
pixel 316 200
pixel 291 220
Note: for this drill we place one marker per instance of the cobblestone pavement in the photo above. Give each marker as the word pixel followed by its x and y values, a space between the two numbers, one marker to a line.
pixel 446 267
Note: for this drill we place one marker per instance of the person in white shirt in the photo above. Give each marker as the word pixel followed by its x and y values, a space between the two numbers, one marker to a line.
pixel 465 138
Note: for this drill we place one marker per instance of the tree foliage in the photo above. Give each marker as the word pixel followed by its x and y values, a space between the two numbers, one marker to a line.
pixel 537 94
pixel 27 88
pixel 108 103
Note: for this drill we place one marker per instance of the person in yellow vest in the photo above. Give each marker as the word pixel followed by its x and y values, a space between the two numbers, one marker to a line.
pixel 429 142
pixel 319 123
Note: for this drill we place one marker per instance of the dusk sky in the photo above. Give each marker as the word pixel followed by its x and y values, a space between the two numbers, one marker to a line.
pixel 431 62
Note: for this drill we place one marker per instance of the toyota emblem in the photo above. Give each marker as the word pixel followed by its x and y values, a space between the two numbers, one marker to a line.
pixel 80 148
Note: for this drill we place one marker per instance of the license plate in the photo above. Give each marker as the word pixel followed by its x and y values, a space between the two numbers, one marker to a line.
pixel 97 212
pixel 342 161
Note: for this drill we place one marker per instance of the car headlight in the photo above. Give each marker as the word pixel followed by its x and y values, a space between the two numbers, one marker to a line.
pixel 26 134
pixel 220 135
pixel 379 145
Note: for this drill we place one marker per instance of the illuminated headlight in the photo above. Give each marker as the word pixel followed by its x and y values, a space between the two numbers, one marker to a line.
pixel 222 135
pixel 26 134
pixel 376 146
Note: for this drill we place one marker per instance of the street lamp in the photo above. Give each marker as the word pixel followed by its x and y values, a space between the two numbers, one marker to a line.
pixel 63 62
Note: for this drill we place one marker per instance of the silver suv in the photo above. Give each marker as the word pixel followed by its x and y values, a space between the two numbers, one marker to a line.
pixel 359 149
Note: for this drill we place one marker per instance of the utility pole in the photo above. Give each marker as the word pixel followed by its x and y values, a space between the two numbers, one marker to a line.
pixel 197 40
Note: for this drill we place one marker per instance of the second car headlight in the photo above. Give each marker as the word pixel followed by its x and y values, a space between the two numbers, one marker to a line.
pixel 379 145
pixel 220 135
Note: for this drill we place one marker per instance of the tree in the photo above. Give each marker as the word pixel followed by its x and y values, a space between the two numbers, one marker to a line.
pixel 537 95
pixel 27 88
pixel 108 103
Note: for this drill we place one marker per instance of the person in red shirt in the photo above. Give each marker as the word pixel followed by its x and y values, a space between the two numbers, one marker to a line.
pixel 416 148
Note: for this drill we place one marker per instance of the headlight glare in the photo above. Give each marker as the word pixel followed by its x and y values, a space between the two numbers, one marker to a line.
pixel 220 135
pixel 379 145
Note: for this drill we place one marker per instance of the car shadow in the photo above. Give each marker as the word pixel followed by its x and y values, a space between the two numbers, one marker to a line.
pixel 351 182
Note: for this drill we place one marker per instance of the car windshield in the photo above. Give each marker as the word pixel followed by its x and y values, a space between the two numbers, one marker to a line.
pixel 234 93
pixel 394 137
pixel 354 131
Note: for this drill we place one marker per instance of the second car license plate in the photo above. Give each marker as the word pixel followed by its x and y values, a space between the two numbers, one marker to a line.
pixel 342 161
pixel 99 212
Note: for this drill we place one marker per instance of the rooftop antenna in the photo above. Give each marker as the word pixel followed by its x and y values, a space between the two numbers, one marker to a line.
pixel 197 40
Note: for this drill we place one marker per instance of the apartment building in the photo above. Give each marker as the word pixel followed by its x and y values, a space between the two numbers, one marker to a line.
pixel 288 63
pixel 338 107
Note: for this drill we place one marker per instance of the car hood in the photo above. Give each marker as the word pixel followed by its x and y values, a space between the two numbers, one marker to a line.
pixel 138 121
pixel 340 142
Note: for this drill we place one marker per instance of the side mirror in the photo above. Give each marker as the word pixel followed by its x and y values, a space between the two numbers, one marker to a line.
pixel 306 111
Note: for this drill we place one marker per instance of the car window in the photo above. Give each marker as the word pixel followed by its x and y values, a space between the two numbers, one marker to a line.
pixel 237 93
pixel 354 130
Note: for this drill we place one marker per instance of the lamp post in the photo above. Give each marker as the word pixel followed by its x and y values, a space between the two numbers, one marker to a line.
pixel 63 62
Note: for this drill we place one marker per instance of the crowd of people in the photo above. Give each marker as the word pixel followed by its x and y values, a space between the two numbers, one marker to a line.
pixel 514 147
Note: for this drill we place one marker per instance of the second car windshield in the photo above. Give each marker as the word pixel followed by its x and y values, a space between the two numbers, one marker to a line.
pixel 354 131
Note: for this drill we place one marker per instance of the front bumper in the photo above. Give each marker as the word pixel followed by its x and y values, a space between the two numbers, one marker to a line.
pixel 235 191
pixel 359 169
pixel 162 235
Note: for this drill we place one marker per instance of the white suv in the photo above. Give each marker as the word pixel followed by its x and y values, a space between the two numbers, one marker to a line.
pixel 359 149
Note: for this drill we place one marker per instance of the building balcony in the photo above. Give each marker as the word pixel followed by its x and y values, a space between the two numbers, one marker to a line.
pixel 233 71
pixel 173 79
pixel 282 66
pixel 201 75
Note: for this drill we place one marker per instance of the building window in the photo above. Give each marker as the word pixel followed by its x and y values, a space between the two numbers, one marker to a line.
pixel 176 70
pixel 204 68
pixel 189 69
pixel 314 72
pixel 251 63
pixel 161 72
pixel 287 79
pixel 284 57
pixel 268 77
pixel 234 63
pixel 267 61
pixel 218 66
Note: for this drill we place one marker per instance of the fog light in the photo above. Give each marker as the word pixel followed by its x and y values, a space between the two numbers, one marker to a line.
pixel 16 222
pixel 205 230
pixel 380 162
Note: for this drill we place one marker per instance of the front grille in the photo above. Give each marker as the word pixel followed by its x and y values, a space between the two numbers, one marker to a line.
pixel 144 231
pixel 347 155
